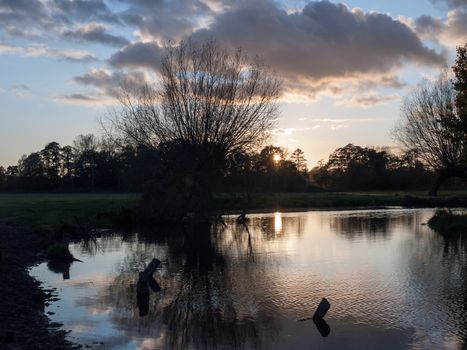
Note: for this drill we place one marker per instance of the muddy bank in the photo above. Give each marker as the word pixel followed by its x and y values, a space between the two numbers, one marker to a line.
pixel 23 322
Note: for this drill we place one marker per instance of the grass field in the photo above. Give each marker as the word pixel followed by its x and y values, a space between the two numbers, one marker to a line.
pixel 54 209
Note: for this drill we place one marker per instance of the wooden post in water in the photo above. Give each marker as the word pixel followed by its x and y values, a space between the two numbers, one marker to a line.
pixel 146 281
pixel 322 309
pixel 143 281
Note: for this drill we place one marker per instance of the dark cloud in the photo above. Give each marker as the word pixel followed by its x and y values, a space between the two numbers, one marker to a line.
pixel 138 55
pixel 110 84
pixel 452 30
pixel 33 18
pixel 103 87
pixel 429 27
pixel 95 33
pixel 322 40
pixel 83 11
pixel 19 14
pixel 165 19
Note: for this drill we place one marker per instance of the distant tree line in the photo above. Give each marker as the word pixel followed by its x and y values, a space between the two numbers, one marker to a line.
pixel 365 168
pixel 93 164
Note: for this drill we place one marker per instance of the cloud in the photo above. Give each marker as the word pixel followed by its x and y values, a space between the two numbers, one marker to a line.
pixel 429 27
pixel 147 55
pixel 317 49
pixel 451 4
pixel 456 27
pixel 365 101
pixel 168 20
pixel 21 90
pixel 83 10
pixel 340 123
pixel 70 55
pixel 451 30
pixel 80 99
pixel 33 19
pixel 320 41
pixel 287 131
pixel 104 87
pixel 95 32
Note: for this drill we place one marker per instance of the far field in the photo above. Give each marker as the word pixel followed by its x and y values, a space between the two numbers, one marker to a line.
pixel 53 209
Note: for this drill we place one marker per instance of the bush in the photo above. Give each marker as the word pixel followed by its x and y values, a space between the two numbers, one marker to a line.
pixel 59 251
pixel 447 223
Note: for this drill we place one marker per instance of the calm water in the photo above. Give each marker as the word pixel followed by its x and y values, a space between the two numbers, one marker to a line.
pixel 391 281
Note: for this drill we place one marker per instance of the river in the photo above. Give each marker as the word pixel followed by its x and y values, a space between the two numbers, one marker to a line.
pixel 392 283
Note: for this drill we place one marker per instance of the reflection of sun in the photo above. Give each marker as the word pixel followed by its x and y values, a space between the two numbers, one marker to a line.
pixel 277 222
pixel 277 158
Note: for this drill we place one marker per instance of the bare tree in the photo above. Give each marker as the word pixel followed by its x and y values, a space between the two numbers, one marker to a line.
pixel 209 103
pixel 207 95
pixel 424 129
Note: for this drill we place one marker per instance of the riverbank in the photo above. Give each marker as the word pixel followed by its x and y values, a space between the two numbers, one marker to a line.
pixel 48 212
pixel 24 324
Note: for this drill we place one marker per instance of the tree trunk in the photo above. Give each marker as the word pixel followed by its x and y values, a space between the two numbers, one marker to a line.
pixel 440 178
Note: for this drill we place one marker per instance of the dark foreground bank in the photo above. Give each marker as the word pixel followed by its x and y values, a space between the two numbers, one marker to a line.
pixel 23 322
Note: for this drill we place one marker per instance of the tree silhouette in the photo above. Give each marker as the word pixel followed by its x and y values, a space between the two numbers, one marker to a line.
pixel 426 128
pixel 210 104
pixel 298 157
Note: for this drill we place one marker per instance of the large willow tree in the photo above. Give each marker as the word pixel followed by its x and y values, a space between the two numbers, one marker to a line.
pixel 209 103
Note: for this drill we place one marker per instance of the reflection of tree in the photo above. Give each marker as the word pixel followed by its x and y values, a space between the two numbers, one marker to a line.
pixel 371 225
pixel 197 306
pixel 62 267
pixel 437 273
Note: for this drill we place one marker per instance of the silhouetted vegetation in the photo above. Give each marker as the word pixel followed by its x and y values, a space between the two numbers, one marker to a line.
pixel 59 252
pixel 434 123
pixel 446 222
pixel 363 168
pixel 93 164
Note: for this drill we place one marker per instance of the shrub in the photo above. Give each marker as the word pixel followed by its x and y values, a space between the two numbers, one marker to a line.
pixel 447 223
pixel 59 251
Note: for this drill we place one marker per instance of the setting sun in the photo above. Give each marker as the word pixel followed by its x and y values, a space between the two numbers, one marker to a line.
pixel 277 158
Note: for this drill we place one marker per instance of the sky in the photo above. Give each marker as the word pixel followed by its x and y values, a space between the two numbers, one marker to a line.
pixel 345 66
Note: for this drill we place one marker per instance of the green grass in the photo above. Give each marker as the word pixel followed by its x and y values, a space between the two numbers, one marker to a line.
pixel 49 211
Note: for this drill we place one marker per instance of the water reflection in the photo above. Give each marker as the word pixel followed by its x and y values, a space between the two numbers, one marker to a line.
pixel 62 267
pixel 245 286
